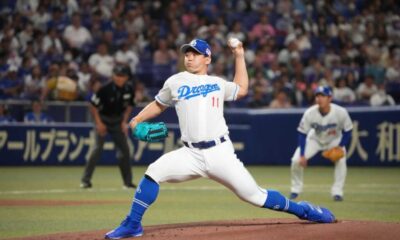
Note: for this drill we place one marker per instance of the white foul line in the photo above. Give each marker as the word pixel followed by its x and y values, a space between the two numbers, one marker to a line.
pixel 312 188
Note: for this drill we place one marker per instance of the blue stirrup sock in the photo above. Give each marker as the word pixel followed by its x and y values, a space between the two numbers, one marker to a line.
pixel 146 193
pixel 276 201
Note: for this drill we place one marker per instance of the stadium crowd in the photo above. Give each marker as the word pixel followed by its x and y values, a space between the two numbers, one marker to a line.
pixel 66 49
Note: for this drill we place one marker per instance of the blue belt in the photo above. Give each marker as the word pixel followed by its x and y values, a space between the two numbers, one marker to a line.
pixel 204 144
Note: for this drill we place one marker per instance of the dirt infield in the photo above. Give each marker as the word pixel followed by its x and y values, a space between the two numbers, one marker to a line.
pixel 269 229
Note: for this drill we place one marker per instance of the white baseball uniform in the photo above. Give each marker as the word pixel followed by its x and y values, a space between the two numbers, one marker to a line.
pixel 323 132
pixel 199 103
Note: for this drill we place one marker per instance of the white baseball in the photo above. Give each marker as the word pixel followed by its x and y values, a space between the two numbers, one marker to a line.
pixel 234 42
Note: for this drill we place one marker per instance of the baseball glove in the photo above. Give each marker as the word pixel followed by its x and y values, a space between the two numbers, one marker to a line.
pixel 333 154
pixel 150 132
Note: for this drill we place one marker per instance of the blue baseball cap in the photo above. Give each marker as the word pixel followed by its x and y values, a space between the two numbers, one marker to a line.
pixel 324 90
pixel 199 46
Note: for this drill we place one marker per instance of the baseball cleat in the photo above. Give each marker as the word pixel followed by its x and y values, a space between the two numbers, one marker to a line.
pixel 338 198
pixel 86 185
pixel 293 195
pixel 317 214
pixel 129 186
pixel 127 229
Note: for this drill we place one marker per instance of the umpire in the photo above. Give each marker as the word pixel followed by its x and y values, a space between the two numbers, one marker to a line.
pixel 111 108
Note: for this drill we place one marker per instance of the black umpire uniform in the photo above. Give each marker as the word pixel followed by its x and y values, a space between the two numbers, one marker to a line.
pixel 111 108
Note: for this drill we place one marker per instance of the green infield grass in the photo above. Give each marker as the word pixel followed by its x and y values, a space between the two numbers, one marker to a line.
pixel 370 194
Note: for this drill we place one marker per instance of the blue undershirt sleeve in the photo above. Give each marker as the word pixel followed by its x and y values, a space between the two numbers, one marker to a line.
pixel 345 138
pixel 302 143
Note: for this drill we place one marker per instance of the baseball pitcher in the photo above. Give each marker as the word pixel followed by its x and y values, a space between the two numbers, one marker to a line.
pixel 208 151
pixel 324 127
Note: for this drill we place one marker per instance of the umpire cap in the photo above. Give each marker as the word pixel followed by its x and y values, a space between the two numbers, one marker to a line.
pixel 122 70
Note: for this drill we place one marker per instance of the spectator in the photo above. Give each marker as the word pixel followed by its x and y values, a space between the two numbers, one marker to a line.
pixel 102 62
pixel 3 63
pixel 263 28
pixel 259 81
pixel 26 8
pixel 366 89
pixel 94 86
pixel 33 83
pixel 60 87
pixel 381 98
pixel 84 76
pixel 343 38
pixel 342 93
pixel 127 57
pixel 164 55
pixel 303 42
pixel 308 95
pixel 134 20
pixel 98 25
pixel 258 98
pixel 120 33
pixel 40 18
pixel 274 70
pixel 141 93
pixel 237 32
pixel 177 33
pixel 37 115
pixel 351 79
pixel 280 100
pixel 10 85
pixel 4 116
pixel 109 39
pixel 51 80
pixel 52 39
pixel 286 54
pixel 58 20
pixel 314 72
pixel 375 70
pixel 25 36
pixel 26 67
pixel 99 5
pixel 12 55
pixel 76 35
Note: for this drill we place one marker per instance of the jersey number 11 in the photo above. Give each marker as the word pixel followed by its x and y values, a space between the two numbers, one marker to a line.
pixel 215 102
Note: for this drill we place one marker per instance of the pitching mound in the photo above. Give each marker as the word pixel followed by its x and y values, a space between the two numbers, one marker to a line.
pixel 253 229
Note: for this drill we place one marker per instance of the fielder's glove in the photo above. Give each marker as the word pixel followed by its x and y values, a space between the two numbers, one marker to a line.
pixel 333 154
pixel 150 132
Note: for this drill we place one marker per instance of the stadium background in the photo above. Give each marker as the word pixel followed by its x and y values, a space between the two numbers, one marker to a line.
pixel 292 46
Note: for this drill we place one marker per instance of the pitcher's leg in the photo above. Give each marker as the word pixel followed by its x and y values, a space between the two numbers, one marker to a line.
pixel 176 166
pixel 224 167
pixel 180 165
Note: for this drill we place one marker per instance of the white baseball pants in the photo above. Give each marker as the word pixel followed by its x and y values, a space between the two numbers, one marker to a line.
pixel 312 148
pixel 218 163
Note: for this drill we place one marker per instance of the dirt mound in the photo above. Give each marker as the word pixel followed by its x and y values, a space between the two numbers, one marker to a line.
pixel 252 229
